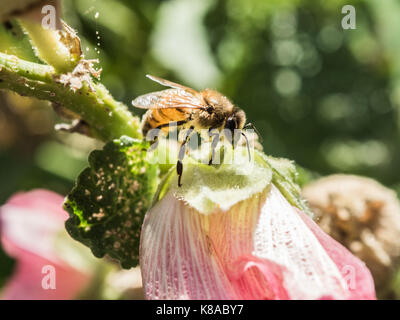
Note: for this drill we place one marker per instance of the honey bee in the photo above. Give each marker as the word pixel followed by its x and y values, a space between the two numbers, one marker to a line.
pixel 185 107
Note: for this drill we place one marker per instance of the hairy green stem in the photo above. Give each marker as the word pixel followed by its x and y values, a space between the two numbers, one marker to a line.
pixel 48 46
pixel 107 118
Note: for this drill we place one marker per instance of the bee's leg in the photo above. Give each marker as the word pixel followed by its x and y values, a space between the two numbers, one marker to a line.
pixel 154 142
pixel 179 165
pixel 213 144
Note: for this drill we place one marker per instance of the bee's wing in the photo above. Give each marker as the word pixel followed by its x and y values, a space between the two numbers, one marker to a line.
pixel 170 98
pixel 171 84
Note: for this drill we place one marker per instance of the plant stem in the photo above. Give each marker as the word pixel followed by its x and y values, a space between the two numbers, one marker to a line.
pixel 48 46
pixel 107 118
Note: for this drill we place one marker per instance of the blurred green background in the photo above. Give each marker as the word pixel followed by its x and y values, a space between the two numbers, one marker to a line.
pixel 325 97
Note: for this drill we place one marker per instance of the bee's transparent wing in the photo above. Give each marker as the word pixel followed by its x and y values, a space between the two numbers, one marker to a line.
pixel 171 84
pixel 170 98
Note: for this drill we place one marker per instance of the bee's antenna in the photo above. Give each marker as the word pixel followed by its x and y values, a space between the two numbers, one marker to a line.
pixel 250 125
pixel 247 143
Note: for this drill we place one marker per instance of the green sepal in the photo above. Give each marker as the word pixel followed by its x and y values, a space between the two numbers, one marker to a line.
pixel 285 177
pixel 110 198
pixel 209 188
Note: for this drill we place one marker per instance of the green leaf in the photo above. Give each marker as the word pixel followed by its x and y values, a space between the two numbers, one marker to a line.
pixel 109 201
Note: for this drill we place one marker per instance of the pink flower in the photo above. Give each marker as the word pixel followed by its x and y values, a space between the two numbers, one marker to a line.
pixel 30 225
pixel 260 248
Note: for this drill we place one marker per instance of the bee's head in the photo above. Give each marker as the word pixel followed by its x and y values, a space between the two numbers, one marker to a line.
pixel 231 123
pixel 236 119
pixel 234 122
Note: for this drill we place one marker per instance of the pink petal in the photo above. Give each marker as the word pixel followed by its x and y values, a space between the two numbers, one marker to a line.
pixel 175 255
pixel 261 248
pixel 257 278
pixel 30 223
pixel 360 282
pixel 26 282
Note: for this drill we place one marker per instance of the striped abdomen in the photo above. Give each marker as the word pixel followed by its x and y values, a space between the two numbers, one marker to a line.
pixel 160 118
